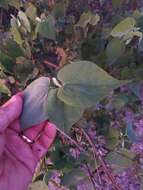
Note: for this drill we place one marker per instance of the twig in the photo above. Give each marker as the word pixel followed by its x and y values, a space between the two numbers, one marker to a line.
pixel 70 139
pixel 91 178
pixel 110 176
pixel 51 64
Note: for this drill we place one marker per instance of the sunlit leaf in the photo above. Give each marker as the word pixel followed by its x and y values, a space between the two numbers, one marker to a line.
pixel 24 20
pixel 85 18
pixel 123 27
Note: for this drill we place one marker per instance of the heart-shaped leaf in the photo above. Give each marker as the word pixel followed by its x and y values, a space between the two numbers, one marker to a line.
pixel 61 114
pixel 86 73
pixel 84 96
pixel 35 97
pixel 65 105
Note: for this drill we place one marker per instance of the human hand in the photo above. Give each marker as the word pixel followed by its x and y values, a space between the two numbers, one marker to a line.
pixel 19 156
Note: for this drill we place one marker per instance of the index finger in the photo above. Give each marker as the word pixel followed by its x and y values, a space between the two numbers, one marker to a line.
pixel 10 111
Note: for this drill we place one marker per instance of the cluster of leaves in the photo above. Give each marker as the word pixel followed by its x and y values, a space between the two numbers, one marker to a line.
pixel 104 146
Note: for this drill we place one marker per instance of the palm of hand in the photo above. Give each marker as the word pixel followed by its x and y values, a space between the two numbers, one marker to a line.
pixel 18 157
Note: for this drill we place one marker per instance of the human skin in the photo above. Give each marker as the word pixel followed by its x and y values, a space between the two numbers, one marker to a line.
pixel 18 156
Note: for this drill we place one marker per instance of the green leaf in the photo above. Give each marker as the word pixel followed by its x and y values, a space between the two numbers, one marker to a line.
pixel 31 11
pixel 94 20
pixel 126 73
pixel 114 50
pixel 16 35
pixel 14 3
pixel 15 30
pixel 119 101
pixel 4 4
pixel 60 8
pixel 123 27
pixel 11 48
pixel 85 18
pixel 46 28
pixel 73 177
pixel 61 114
pixel 117 3
pixel 84 96
pixel 24 20
pixel 35 98
pixel 87 73
pixel 4 89
pixel 121 160
pixel 6 61
pixel 85 84
pixel 112 137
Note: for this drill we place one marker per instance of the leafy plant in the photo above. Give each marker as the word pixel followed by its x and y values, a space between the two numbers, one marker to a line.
pixel 66 104
pixel 92 53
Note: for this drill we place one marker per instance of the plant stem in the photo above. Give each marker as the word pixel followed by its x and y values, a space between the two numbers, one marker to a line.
pixel 71 140
pixel 109 175
pixel 91 177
